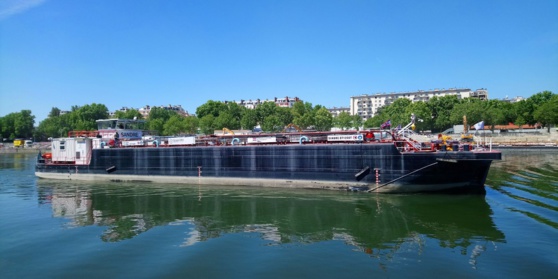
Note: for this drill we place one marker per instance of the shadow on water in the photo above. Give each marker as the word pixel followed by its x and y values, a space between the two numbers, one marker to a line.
pixel 378 225
pixel 528 182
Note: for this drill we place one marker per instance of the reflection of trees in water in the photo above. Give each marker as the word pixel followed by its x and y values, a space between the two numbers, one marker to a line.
pixel 378 225
pixel 531 179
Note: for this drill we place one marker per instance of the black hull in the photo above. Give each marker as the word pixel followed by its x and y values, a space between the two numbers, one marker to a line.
pixel 333 166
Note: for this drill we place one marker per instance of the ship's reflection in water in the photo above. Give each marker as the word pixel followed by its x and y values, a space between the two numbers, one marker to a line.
pixel 379 225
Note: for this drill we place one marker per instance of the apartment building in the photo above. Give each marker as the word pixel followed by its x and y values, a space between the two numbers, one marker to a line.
pixel 335 111
pixel 368 104
pixel 286 102
pixel 178 108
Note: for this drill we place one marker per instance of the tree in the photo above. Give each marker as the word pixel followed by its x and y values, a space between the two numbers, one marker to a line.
pixel 492 114
pixel 211 107
pixel 17 125
pixel 509 111
pixel 472 108
pixel 441 109
pixel 53 126
pixel 520 121
pixel 191 124
pixel 303 114
pixel 236 111
pixel 285 116
pixel 323 120
pixel 547 113
pixel 161 113
pixel 207 125
pixel 525 109
pixel 226 120
pixel 375 121
pixel 24 124
pixel 357 121
pixel 423 115
pixel 344 120
pixel 174 126
pixel 541 98
pixel 265 109
pixel 54 112
pixel 272 123
pixel 249 119
pixel 128 114
pixel 85 117
pixel 397 112
pixel 157 125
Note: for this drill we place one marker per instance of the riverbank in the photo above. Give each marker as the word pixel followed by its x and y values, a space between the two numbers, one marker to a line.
pixel 12 150
pixel 542 139
pixel 38 146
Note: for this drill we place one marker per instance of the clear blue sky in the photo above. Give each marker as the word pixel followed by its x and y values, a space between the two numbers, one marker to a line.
pixel 60 53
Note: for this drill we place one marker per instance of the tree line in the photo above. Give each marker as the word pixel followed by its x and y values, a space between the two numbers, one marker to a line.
pixel 437 114
pixel 440 113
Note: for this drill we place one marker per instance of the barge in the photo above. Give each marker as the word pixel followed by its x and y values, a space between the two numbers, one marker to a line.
pixel 378 160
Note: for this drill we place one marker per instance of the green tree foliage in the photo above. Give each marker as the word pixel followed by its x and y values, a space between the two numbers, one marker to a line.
pixel 156 125
pixel 211 107
pixel 158 117
pixel 226 120
pixel 396 112
pixel 323 119
pixel 174 126
pixel 441 110
pixel 54 126
pixel 285 116
pixel 472 108
pixel 344 120
pixel 520 121
pixel 85 118
pixel 303 115
pixel 272 123
pixel 265 109
pixel 526 108
pixel 249 119
pixel 17 125
pixel 236 111
pixel 547 113
pixel 161 113
pixel 54 112
pixel 191 124
pixel 492 114
pixel 375 121
pixel 357 121
pixel 423 115
pixel 508 109
pixel 128 114
pixel 179 125
pixel 541 98
pixel 207 125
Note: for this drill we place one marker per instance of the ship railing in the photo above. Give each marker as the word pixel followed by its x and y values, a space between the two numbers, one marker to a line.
pixel 83 134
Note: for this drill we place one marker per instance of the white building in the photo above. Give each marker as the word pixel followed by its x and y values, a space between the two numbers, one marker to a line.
pixel 367 105
pixel 286 102
pixel 335 111
pixel 513 100
pixel 178 108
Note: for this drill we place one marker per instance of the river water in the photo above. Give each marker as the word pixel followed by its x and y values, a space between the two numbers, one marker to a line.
pixel 68 229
